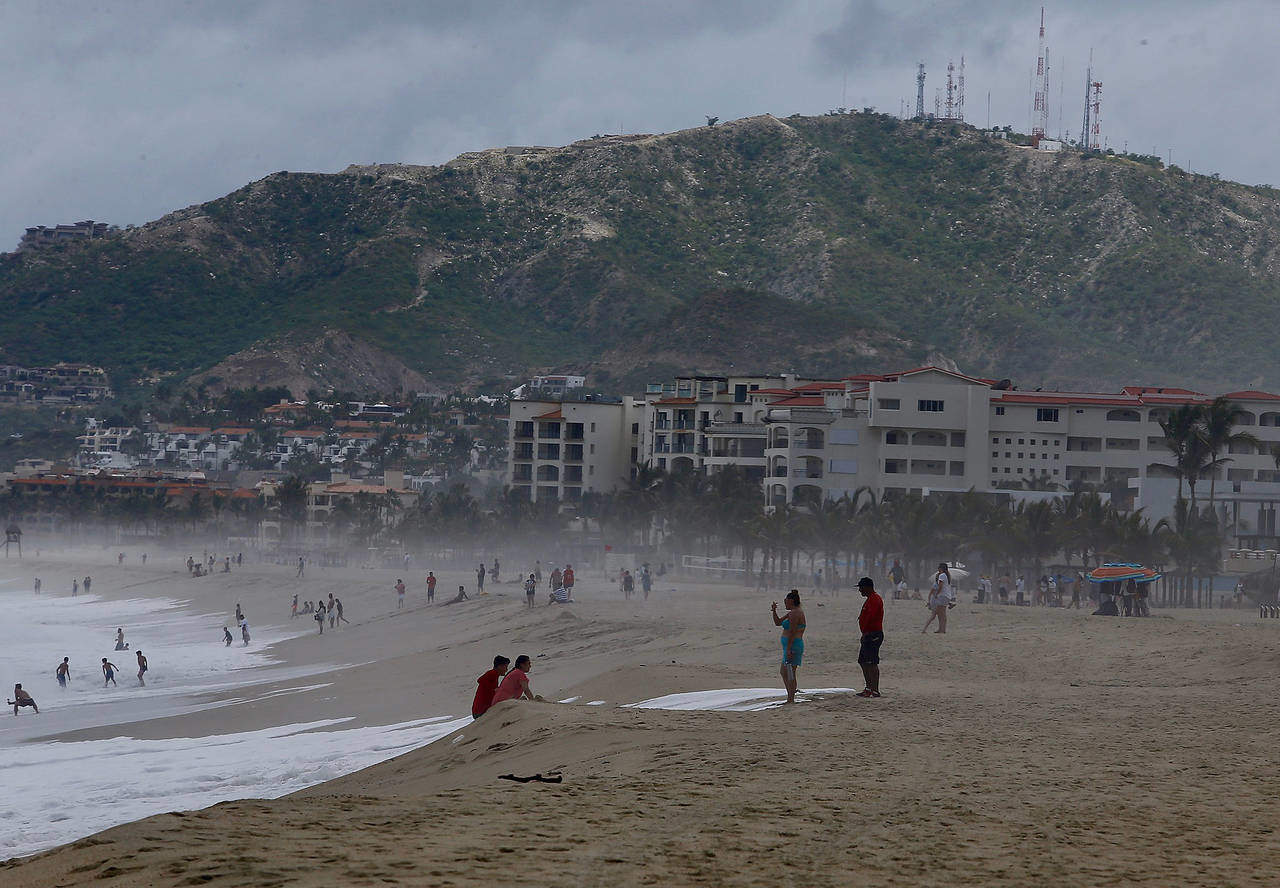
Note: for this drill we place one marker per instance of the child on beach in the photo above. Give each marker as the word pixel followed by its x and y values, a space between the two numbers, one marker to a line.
pixel 109 672
pixel 226 636
pixel 320 616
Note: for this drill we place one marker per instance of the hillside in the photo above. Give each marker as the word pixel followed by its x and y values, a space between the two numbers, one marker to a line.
pixel 822 244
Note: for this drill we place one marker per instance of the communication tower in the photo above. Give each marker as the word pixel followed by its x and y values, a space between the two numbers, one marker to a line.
pixel 960 93
pixel 951 91
pixel 1040 112
pixel 920 92
pixel 1088 86
pixel 1095 134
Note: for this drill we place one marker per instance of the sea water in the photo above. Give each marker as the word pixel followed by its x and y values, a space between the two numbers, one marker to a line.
pixel 59 791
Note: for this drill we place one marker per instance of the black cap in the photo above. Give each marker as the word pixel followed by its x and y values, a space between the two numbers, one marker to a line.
pixel 866 582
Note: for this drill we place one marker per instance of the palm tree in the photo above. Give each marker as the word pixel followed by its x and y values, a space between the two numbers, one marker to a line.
pixel 291 502
pixel 1184 435
pixel 1218 422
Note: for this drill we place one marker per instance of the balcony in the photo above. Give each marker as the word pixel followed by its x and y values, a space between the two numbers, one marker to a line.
pixel 740 429
pixel 524 430
pixel 685 425
pixel 806 473
pixel 573 453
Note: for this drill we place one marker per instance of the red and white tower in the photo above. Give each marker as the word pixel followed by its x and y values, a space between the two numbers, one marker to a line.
pixel 1040 111
pixel 1095 132
pixel 960 93
pixel 951 91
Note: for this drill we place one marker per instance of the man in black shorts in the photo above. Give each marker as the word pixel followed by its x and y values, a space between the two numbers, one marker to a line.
pixel 871 622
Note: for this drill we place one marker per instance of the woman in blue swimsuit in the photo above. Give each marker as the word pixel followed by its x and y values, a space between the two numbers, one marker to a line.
pixel 792 641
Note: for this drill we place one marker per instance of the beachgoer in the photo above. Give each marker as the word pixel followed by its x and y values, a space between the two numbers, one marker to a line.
pixel 941 597
pixel 320 616
pixel 239 613
pixel 109 671
pixel 515 686
pixel 88 581
pixel 301 567
pixel 142 669
pixel 567 579
pixel 530 589
pixel 871 623
pixel 487 685
pixel 191 565
pixel 1020 586
pixel 22 698
pixel 37 585
pixel 817 582
pixel 556 580
pixel 244 632
pixel 226 636
pixel 239 558
pixel 120 558
pixel 337 605
pixel 480 571
pixel 1004 584
pixel 898 576
pixel 399 594
pixel 120 645
pixel 1076 585
pixel 431 586
pixel 64 672
pixel 494 570
pixel 144 559
pixel 646 581
pixel 628 584
pixel 332 612
pixel 226 565
pixel 793 625
pixel 461 596
pixel 75 588
pixel 293 614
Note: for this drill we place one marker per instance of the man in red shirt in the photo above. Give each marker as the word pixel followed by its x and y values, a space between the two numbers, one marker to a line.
pixel 568 579
pixel 488 686
pixel 516 685
pixel 871 622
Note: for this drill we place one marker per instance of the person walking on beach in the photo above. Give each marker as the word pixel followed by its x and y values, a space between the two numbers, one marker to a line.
pixel 109 671
pixel 494 570
pixel 646 580
pixel 144 559
pixel 941 597
pixel 556 580
pixel 487 685
pixel 294 613
pixel 120 645
pixel 142 669
pixel 898 576
pixel 75 588
pixel 1020 588
pixel 567 578
pixel 530 590
pixel 244 632
pixel 515 686
pixel 480 579
pixel 320 616
pixel 871 624
pixel 239 613
pixel 628 584
pixel 37 585
pixel 793 626
pixel 120 558
pixel 64 673
pixel 301 567
pixel 399 594
pixel 431 587
pixel 226 636
pixel 337 606
pixel 22 698
pixel 88 581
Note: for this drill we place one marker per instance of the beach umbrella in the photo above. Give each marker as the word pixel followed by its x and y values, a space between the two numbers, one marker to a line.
pixel 1120 571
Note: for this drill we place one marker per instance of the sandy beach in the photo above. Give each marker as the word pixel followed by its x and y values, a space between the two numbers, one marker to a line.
pixel 1028 746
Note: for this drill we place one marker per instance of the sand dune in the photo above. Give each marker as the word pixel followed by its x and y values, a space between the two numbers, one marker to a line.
pixel 1026 747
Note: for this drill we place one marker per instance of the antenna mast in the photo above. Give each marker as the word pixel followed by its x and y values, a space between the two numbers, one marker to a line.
pixel 920 92
pixel 1088 84
pixel 960 93
pixel 1040 114
pixel 951 91
pixel 1095 139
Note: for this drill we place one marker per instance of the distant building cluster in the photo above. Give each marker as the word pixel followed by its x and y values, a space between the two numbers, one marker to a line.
pixel 48 235
pixel 60 384
pixel 922 431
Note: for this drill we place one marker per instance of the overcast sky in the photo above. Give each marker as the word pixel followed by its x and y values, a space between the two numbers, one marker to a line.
pixel 122 111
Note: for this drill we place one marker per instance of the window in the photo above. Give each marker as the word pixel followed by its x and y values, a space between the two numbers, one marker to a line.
pixel 995 440
pixel 635 428
pixel 1055 471
pixel 591 470
pixel 1008 440
pixel 1019 471
pixel 593 426
pixel 957 439
pixel 739 394
pixel 1006 470
pixel 929 406
pixel 1000 411
pixel 1021 441
pixel 889 404
pixel 1057 442
pixel 1057 456
pixel 1020 457
pixel 593 448
pixel 995 455
pixel 1079 411
pixel 737 416
pixel 1008 455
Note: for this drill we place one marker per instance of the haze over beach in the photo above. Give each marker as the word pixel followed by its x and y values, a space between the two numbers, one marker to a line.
pixel 597 444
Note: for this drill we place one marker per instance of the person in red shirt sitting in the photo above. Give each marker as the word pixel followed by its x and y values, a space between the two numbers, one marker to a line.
pixel 488 686
pixel 871 622
pixel 516 685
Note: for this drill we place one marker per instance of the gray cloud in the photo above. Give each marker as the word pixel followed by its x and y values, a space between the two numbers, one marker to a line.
pixel 123 111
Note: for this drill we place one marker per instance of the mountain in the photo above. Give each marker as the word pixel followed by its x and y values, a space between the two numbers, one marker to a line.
pixel 831 244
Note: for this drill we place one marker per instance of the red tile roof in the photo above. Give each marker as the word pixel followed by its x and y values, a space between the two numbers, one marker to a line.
pixel 1252 395
pixel 803 401
pixel 677 401
pixel 554 414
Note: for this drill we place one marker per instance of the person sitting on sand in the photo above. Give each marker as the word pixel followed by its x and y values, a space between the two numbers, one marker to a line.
pixel 516 685
pixel 64 672
pixel 793 625
pixel 487 686
pixel 461 596
pixel 22 698
pixel 109 671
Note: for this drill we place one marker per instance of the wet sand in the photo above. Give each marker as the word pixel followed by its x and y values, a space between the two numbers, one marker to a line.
pixel 1025 747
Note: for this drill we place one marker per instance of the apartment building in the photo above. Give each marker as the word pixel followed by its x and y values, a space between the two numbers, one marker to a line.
pixel 558 450
pixel 921 431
